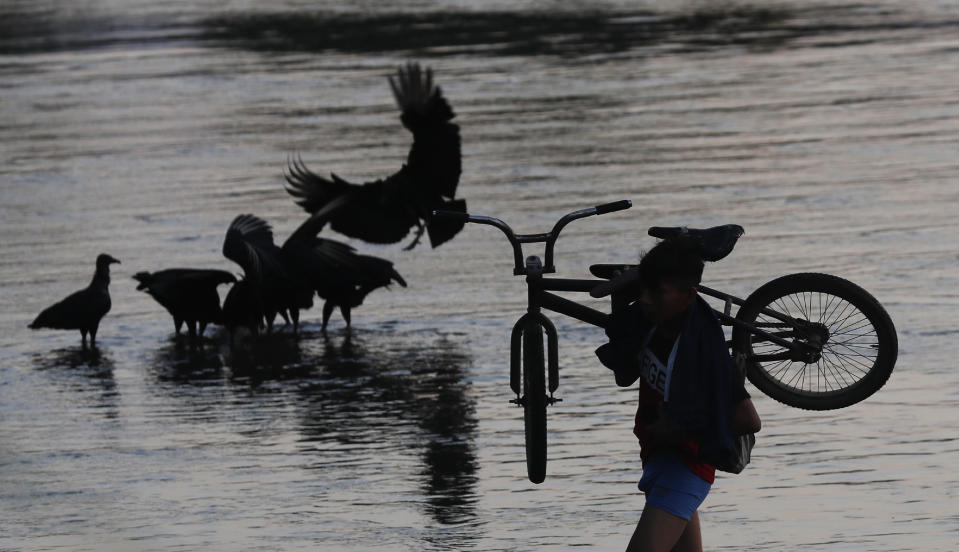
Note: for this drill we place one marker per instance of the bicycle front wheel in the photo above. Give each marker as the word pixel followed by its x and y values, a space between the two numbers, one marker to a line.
pixel 855 334
pixel 534 402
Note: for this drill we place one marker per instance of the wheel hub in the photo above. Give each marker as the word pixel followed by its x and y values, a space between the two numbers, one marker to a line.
pixel 810 342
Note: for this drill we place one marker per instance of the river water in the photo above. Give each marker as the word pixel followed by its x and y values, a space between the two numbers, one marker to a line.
pixel 141 129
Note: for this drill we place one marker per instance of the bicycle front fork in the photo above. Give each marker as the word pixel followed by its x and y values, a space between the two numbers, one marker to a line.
pixel 533 321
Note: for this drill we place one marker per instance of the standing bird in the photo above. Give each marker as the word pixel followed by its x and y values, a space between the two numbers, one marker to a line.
pixel 268 287
pixel 242 308
pixel 83 309
pixel 384 211
pixel 344 278
pixel 306 264
pixel 188 294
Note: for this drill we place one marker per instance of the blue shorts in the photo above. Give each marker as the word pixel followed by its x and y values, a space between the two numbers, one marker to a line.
pixel 671 486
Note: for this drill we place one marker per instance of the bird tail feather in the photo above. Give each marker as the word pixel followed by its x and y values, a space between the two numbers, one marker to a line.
pixel 442 230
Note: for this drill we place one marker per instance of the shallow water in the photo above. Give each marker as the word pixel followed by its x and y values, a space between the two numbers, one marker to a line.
pixel 141 130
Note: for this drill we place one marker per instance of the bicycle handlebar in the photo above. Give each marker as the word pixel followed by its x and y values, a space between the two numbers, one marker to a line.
pixel 614 206
pixel 549 237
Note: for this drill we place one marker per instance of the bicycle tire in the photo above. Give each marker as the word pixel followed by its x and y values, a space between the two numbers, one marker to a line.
pixel 858 354
pixel 534 402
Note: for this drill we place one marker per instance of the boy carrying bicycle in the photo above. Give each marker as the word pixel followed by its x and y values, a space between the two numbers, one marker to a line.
pixel 692 403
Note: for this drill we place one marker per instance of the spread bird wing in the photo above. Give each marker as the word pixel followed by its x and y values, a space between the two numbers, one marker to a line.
pixel 434 161
pixel 375 212
pixel 249 243
pixel 310 190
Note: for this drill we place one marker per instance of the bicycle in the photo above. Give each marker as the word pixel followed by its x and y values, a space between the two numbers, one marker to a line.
pixel 809 340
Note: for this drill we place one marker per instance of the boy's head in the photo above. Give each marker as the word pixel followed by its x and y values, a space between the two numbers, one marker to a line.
pixel 669 274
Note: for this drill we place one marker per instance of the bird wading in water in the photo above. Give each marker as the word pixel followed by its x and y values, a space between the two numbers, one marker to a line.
pixel 305 264
pixel 82 310
pixel 188 294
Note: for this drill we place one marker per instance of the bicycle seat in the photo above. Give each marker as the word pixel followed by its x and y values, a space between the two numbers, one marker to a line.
pixel 714 243
pixel 608 271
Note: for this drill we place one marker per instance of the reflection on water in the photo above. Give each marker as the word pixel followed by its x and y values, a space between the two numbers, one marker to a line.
pixel 94 361
pixel 357 395
pixel 273 356
pixel 83 373
pixel 182 360
pixel 413 394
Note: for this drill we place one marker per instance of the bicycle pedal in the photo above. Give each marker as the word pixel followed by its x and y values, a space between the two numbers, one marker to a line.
pixel 519 401
pixel 552 400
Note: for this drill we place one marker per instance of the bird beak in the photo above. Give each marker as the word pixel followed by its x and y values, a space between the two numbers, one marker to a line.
pixel 116 261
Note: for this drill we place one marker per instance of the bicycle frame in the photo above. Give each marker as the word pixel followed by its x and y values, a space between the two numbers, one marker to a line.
pixel 540 297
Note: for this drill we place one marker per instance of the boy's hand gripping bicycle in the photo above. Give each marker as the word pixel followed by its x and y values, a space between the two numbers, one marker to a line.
pixel 811 341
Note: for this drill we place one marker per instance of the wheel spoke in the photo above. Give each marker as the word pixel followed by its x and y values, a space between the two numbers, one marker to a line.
pixel 838 372
pixel 828 309
pixel 840 360
pixel 854 361
pixel 838 313
pixel 844 370
pixel 854 358
pixel 843 323
pixel 792 298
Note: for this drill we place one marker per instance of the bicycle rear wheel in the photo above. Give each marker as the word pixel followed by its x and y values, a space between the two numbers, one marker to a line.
pixel 857 339
pixel 534 402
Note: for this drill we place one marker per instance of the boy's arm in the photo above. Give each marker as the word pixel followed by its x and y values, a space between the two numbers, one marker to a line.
pixel 744 418
pixel 627 373
pixel 621 353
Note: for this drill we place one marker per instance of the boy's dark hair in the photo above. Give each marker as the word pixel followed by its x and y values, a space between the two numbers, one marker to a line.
pixel 676 260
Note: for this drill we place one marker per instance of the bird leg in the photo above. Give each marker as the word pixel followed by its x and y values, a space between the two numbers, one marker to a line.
pixel 83 337
pixel 420 228
pixel 178 322
pixel 345 311
pixel 327 311
pixel 295 315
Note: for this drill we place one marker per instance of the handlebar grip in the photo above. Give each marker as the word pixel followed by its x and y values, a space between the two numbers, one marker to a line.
pixel 459 215
pixel 614 206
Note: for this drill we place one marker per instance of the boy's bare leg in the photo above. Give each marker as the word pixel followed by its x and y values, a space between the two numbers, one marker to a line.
pixel 660 531
pixel 692 538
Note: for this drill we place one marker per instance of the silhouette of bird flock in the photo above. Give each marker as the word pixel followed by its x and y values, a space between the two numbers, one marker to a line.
pixel 283 279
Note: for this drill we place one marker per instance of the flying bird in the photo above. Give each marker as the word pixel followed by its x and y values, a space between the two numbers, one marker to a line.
pixel 386 210
pixel 188 294
pixel 82 310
